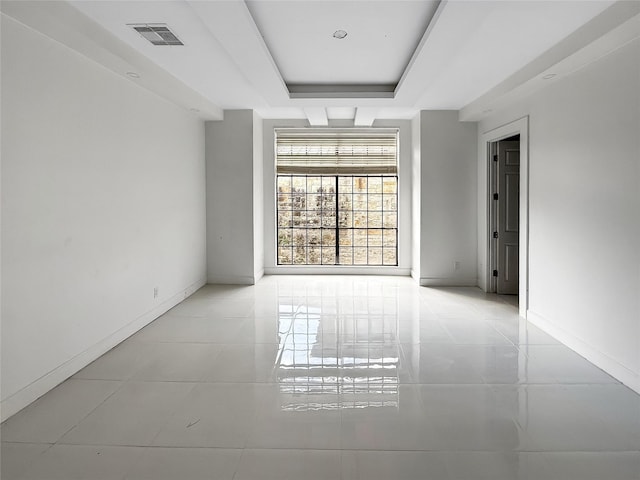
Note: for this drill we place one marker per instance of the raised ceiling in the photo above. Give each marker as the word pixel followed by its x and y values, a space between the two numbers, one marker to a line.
pixel 380 40
pixel 280 58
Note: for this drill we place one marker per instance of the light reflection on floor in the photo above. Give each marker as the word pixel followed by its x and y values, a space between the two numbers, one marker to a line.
pixel 321 351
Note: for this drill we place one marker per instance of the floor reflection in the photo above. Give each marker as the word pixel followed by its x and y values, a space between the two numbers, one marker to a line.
pixel 324 354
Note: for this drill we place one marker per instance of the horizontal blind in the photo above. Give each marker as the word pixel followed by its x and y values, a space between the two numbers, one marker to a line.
pixel 336 152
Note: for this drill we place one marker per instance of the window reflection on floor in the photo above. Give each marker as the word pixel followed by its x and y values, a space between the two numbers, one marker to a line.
pixel 328 352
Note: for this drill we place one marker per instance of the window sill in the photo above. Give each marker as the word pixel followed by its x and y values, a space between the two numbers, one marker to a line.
pixel 336 270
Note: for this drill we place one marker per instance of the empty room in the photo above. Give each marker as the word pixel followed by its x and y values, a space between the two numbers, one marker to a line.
pixel 318 239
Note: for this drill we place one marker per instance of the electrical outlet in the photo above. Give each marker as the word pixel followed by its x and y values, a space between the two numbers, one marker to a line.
pixel 155 292
pixel 456 265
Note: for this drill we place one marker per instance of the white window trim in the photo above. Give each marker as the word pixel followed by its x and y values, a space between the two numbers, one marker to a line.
pixel 404 207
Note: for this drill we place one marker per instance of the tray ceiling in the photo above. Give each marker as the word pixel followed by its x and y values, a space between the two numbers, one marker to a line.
pixel 280 58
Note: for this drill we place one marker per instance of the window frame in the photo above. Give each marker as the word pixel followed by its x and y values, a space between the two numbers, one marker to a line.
pixel 335 227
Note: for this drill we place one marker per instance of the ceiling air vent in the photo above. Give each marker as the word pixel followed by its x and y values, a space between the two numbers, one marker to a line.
pixel 157 33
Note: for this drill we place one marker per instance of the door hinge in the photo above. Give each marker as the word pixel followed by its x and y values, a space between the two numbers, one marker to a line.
pixel 495 196
pixel 495 234
pixel 495 273
pixel 495 158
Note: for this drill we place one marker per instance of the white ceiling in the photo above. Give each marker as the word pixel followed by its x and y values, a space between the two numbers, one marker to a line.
pixel 381 38
pixel 454 54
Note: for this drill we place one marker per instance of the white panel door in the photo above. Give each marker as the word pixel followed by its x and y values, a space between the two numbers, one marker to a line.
pixel 508 216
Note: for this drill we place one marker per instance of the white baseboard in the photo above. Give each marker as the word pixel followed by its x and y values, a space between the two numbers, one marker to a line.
pixel 448 282
pixel 231 280
pixel 601 360
pixel 258 275
pixel 27 395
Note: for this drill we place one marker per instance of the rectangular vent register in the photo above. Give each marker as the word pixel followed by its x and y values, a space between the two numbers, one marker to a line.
pixel 157 33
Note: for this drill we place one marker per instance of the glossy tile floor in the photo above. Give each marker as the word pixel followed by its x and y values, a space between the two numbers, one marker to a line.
pixel 332 378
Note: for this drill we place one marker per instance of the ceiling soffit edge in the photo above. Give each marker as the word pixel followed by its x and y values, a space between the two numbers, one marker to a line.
pixel 610 30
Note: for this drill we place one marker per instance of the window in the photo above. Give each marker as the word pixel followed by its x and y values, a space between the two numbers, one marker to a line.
pixel 337 197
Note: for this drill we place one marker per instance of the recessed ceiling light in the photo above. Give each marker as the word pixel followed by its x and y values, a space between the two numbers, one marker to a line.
pixel 549 76
pixel 339 34
pixel 133 75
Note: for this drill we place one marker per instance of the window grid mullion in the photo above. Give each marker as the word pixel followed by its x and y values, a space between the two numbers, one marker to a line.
pixel 305 203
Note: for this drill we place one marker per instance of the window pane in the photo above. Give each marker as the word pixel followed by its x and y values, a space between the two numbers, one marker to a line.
pixel 360 256
pixel 390 185
pixel 314 184
pixel 346 256
pixel 390 220
pixel 284 256
pixel 284 201
pixel 314 202
pixel 300 255
pixel 360 184
pixel 299 236
pixel 390 256
pixel 360 238
pixel 374 185
pixel 344 184
pixel 345 215
pixel 389 238
pixel 359 219
pixel 314 255
pixel 389 202
pixel 285 218
pixel 329 238
pixel 298 200
pixel 329 184
pixel 375 256
pixel 375 238
pixel 314 219
pixel 313 237
pixel 285 237
pixel 374 202
pixel 299 218
pixel 329 256
pixel 360 201
pixel 346 238
pixel 375 220
pixel 299 184
pixel 329 219
pixel 284 184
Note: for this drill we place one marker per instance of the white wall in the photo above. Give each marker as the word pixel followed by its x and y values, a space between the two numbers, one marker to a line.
pixel 230 198
pixel 448 198
pixel 404 201
pixel 584 204
pixel 416 213
pixel 258 193
pixel 102 201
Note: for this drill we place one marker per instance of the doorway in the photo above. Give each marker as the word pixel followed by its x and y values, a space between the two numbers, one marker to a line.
pixel 486 229
pixel 505 215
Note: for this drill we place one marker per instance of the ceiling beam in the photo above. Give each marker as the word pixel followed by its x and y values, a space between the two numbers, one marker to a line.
pixel 317 116
pixel 365 117
pixel 418 52
pixel 231 24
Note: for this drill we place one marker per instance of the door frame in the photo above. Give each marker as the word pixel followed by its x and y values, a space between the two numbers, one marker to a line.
pixel 517 127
